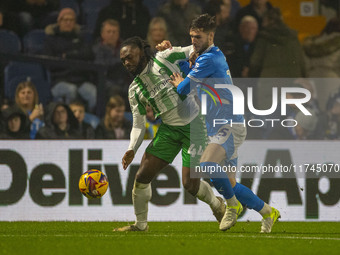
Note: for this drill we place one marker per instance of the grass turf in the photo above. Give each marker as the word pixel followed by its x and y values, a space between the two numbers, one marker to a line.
pixel 168 238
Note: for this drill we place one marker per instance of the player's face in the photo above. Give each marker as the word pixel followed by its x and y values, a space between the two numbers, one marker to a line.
pixel 78 111
pixel 26 96
pixel 132 60
pixel 199 40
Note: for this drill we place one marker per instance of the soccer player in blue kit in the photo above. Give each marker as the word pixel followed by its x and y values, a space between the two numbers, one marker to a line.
pixel 211 68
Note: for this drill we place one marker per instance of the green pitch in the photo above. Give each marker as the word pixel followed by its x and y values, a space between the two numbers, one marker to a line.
pixel 168 238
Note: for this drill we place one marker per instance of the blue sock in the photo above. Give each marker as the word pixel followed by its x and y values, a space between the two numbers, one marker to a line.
pixel 222 185
pixel 247 197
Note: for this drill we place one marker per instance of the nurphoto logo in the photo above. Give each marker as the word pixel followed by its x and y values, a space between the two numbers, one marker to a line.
pixel 239 102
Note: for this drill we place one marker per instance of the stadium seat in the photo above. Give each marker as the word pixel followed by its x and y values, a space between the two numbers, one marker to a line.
pixel 91 119
pixel 86 36
pixel 153 6
pixel 16 72
pixel 9 42
pixel 90 10
pixel 128 116
pixel 33 41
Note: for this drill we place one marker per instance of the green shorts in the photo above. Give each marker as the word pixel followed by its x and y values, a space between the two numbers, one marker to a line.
pixel 169 140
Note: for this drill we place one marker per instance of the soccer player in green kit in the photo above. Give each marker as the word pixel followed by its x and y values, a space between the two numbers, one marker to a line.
pixel 151 86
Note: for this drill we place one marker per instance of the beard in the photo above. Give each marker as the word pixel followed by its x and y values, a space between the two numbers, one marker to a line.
pixel 140 67
pixel 203 48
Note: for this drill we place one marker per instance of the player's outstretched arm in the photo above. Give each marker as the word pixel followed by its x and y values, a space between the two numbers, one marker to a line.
pixel 127 158
pixel 164 45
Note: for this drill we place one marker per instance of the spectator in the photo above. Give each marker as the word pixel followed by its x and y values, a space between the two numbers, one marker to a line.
pixel 329 8
pixel 153 6
pixel 1 124
pixel 157 32
pixel 308 84
pixel 107 49
pixel 7 19
pixel 243 47
pixel 221 9
pixel 309 127
pixel 152 124
pixel 5 103
pixel 277 54
pixel 323 59
pixel 63 40
pixel 15 124
pixel 60 123
pixel 256 8
pixel 132 16
pixel 333 117
pixel 323 52
pixel 86 130
pixel 277 42
pixel 306 126
pixel 114 125
pixel 27 98
pixel 235 7
pixel 178 15
pixel 107 52
pixel 33 14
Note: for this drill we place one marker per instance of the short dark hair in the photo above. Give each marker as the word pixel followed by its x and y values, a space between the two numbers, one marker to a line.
pixel 138 42
pixel 273 15
pixel 77 103
pixel 205 22
pixel 111 22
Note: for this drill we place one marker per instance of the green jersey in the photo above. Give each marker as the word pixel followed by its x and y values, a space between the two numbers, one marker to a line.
pixel 152 87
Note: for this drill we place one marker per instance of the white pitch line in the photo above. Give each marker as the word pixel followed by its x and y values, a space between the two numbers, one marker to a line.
pixel 176 235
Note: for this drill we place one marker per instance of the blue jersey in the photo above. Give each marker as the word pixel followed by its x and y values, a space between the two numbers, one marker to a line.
pixel 211 68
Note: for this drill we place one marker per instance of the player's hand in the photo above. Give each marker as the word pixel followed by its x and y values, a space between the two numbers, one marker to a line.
pixel 192 58
pixel 127 159
pixel 176 79
pixel 164 45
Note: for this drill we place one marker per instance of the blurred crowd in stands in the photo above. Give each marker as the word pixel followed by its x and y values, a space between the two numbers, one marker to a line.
pixel 59 102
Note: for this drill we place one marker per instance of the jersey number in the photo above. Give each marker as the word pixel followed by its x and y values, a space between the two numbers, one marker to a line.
pixel 193 152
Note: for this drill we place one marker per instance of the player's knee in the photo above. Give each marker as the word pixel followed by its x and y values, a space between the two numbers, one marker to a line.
pixel 142 177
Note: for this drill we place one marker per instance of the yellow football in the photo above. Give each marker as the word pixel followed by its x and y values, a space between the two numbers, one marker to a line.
pixel 93 184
